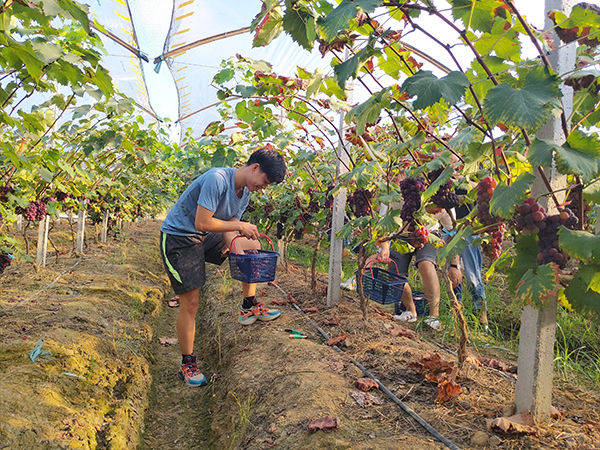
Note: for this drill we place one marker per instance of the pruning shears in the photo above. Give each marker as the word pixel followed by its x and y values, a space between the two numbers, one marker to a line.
pixel 295 334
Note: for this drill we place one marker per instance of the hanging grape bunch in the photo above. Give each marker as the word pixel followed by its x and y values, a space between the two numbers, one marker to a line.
pixel 445 197
pixel 34 212
pixel 4 192
pixel 485 189
pixel 5 260
pixel 329 197
pixel 313 203
pixel 360 203
pixel 61 196
pixel 531 218
pixel 549 249
pixel 574 202
pixel 411 189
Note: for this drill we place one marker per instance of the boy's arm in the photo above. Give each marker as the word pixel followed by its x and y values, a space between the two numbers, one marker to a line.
pixel 206 222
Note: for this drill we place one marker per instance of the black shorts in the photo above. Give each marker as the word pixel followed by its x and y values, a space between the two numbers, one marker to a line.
pixel 426 253
pixel 184 258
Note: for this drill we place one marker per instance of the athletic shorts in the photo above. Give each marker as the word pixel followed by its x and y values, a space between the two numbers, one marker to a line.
pixel 184 258
pixel 426 253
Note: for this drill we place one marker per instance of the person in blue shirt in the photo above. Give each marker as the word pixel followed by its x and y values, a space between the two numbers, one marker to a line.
pixel 199 228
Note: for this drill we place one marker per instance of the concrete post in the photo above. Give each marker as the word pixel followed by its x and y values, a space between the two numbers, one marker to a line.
pixel 42 243
pixel 80 229
pixel 104 231
pixel 281 251
pixel 533 391
pixel 19 222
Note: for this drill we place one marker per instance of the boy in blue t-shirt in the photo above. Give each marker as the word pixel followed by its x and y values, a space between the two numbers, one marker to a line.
pixel 200 227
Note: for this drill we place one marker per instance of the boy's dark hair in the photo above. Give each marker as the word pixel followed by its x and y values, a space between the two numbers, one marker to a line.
pixel 271 163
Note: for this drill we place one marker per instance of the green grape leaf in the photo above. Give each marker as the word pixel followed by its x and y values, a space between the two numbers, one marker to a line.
pixel 267 27
pixel 592 192
pixel 350 67
pixel 300 25
pixel 580 244
pixel 368 112
pixel 583 292
pixel 505 44
pixel 579 156
pixel 439 181
pixel 245 91
pixel 528 107
pixel 506 198
pixel 537 284
pixel 540 153
pixel 224 75
pixel 47 51
pixel 456 245
pixel 478 15
pixel 525 258
pixel 429 89
pixel 341 15
pixel 214 128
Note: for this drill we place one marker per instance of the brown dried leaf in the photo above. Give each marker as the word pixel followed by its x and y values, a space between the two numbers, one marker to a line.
pixel 401 331
pixel 291 299
pixel 517 424
pixel 167 341
pixel 332 321
pixel 447 389
pixel 433 367
pixel 363 399
pixel 311 309
pixel 336 340
pixel 365 384
pixel 326 423
pixel 498 365
pixel 279 302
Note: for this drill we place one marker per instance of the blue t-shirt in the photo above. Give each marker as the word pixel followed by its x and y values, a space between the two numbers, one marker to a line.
pixel 214 190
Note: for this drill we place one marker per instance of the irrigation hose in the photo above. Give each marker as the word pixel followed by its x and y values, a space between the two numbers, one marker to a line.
pixel 436 434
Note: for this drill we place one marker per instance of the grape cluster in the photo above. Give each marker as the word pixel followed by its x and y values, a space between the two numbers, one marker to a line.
pixel 61 196
pixel 411 189
pixel 445 197
pixel 549 250
pixel 329 197
pixel 34 212
pixel 485 189
pixel 418 237
pixel 531 218
pixel 279 232
pixel 574 202
pixel 4 191
pixel 313 204
pixel 360 202
pixel 5 260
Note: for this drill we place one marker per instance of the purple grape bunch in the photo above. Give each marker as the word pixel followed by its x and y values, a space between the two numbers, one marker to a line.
pixel 411 189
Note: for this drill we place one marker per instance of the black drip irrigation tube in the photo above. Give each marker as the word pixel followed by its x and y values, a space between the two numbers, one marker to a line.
pixel 436 434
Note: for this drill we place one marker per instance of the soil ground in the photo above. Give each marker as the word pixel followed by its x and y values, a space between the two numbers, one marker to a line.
pixel 104 319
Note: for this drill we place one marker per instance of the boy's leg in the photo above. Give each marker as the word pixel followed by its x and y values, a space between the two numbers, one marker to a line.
pixel 186 321
pixel 425 259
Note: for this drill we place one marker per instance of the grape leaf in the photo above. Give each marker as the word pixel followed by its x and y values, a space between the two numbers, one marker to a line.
pixel 339 17
pixel 224 75
pixel 350 67
pixel 527 107
pixel 267 26
pixel 368 112
pixel 579 156
pixel 459 242
pixel 583 291
pixel 429 89
pixel 300 25
pixel 537 284
pixel 506 198
pixel 439 181
pixel 525 258
pixel 540 153
pixel 592 192
pixel 213 128
pixel 479 14
pixel 580 244
pixel 504 43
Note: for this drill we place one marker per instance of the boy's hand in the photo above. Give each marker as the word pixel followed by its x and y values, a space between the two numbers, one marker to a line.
pixel 248 230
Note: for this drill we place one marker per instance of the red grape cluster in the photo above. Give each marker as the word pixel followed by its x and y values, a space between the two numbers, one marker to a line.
pixel 34 212
pixel 531 217
pixel 5 260
pixel 313 204
pixel 61 196
pixel 4 191
pixel 549 249
pixel 360 202
pixel 445 197
pixel 411 189
pixel 485 189
pixel 418 237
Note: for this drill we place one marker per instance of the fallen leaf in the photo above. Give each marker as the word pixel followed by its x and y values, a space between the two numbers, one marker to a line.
pixel 262 293
pixel 336 340
pixel 311 309
pixel 447 389
pixel 470 359
pixel 272 429
pixel 276 301
pixel 332 321
pixel 498 365
pixel 433 367
pixel 326 423
pixel 291 299
pixel 365 384
pixel 517 424
pixel 167 341
pixel 364 399
pixel 400 331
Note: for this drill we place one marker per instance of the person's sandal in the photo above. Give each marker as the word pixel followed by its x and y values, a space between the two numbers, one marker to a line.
pixel 173 302
pixel 406 316
pixel 433 323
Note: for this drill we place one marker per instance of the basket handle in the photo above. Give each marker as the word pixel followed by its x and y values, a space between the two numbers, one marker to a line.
pixel 261 235
pixel 370 265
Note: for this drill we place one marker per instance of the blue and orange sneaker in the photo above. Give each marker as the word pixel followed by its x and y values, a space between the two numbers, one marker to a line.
pixel 247 316
pixel 265 314
pixel 192 376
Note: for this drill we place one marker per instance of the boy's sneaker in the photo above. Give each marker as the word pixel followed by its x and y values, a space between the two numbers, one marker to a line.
pixel 433 323
pixel 247 317
pixel 265 314
pixel 406 316
pixel 192 375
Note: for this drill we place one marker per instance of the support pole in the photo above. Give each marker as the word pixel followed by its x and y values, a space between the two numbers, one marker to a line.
pixel 42 243
pixel 334 277
pixel 19 222
pixel 104 231
pixel 80 229
pixel 533 390
pixel 281 251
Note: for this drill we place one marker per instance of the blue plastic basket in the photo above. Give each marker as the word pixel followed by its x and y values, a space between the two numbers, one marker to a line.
pixel 253 267
pixel 421 304
pixel 382 286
